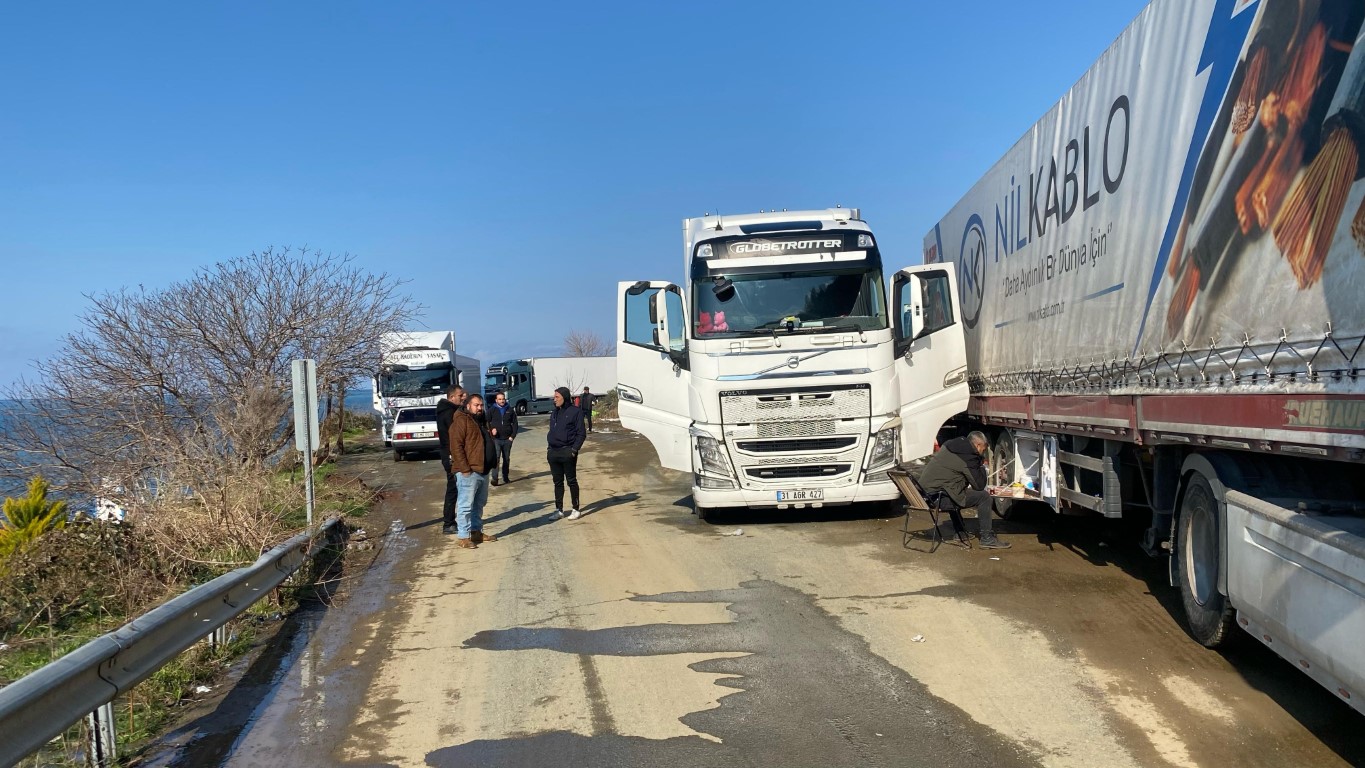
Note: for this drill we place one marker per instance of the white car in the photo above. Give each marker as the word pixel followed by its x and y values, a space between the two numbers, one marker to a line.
pixel 414 430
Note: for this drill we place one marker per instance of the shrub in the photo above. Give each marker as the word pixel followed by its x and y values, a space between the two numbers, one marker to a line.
pixel 28 517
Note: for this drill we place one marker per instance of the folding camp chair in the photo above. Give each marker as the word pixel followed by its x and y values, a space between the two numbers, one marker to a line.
pixel 933 503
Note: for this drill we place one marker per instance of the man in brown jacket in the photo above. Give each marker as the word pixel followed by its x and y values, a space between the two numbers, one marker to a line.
pixel 472 454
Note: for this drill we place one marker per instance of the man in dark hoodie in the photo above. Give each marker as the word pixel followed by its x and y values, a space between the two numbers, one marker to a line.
pixel 957 470
pixel 445 412
pixel 502 425
pixel 471 456
pixel 565 439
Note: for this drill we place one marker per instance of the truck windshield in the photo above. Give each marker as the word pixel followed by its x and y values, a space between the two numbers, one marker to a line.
pixel 494 382
pixel 424 383
pixel 789 302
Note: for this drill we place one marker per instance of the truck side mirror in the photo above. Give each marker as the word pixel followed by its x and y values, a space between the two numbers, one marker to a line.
pixel 916 308
pixel 670 339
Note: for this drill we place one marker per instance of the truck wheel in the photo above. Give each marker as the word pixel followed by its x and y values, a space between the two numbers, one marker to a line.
pixel 521 408
pixel 1002 470
pixel 1195 546
pixel 702 513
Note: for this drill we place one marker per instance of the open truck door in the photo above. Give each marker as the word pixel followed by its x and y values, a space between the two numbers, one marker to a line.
pixel 931 354
pixel 651 368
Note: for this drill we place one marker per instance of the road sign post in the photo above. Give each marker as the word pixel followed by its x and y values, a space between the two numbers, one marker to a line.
pixel 306 433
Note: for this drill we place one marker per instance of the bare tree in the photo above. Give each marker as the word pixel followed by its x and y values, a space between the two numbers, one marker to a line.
pixel 179 398
pixel 586 344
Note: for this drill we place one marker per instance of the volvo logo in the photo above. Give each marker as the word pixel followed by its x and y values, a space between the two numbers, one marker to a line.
pixel 971 270
pixel 793 361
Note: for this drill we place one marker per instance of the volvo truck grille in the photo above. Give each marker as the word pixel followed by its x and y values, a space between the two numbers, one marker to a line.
pixel 805 445
pixel 759 405
pixel 794 428
pixel 777 436
pixel 799 471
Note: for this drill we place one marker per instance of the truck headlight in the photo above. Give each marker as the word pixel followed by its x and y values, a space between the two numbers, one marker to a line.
pixel 712 455
pixel 713 483
pixel 884 447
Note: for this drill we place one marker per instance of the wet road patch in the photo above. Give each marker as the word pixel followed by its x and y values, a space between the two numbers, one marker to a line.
pixel 807 692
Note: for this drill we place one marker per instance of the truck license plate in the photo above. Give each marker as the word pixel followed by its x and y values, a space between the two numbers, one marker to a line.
pixel 813 494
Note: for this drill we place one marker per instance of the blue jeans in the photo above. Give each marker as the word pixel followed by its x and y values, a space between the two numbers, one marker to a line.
pixel 469 505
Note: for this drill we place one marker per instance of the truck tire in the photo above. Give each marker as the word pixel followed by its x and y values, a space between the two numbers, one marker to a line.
pixel 521 408
pixel 1195 541
pixel 702 513
pixel 1002 470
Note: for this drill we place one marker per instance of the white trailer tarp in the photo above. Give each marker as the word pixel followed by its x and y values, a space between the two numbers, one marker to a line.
pixel 598 374
pixel 1198 189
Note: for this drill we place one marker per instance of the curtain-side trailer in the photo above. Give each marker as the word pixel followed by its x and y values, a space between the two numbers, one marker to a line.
pixel 1161 292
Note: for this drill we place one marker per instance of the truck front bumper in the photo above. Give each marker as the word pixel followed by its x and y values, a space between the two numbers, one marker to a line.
pixel 879 490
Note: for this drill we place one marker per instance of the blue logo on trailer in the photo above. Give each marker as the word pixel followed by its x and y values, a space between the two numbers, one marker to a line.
pixel 971 270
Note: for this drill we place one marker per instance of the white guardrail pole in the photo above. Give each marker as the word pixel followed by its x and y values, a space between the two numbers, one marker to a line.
pixel 40 706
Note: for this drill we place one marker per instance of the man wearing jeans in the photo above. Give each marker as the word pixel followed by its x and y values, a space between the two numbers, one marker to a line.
pixel 471 457
pixel 445 414
pixel 957 470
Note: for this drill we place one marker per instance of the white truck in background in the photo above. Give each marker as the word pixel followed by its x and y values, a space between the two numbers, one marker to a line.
pixel 1161 293
pixel 775 372
pixel 416 368
pixel 530 383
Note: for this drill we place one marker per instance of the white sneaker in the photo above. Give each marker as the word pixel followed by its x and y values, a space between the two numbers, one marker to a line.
pixel 558 513
pixel 574 514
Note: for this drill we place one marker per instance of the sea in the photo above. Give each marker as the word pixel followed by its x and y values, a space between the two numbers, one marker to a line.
pixel 357 399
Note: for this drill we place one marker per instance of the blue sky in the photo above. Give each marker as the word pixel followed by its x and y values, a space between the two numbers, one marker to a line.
pixel 512 161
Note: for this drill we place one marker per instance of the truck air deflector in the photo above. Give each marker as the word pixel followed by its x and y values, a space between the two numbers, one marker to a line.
pixel 780 226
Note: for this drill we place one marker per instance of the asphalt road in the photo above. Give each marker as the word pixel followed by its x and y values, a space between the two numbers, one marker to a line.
pixel 638 636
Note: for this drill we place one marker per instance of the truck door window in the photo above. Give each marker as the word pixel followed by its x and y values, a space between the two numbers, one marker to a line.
pixel 938 302
pixel 676 329
pixel 639 330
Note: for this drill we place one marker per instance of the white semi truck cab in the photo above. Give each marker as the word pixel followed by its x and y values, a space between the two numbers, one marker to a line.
pixel 416 369
pixel 779 374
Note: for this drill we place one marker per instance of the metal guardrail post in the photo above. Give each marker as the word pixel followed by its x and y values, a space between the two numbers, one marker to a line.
pixel 44 703
pixel 103 749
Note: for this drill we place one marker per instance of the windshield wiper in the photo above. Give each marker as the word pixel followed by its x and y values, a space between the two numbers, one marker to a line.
pixel 827 329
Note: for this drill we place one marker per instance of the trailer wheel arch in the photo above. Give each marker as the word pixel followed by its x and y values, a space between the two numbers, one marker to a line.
pixel 1210 616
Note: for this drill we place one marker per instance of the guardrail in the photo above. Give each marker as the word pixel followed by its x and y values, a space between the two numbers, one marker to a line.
pixel 43 704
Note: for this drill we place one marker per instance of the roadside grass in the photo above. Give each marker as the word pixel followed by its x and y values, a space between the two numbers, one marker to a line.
pixel 90 610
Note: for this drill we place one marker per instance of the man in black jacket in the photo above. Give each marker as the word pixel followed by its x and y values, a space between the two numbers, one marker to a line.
pixel 564 440
pixel 585 405
pixel 502 425
pixel 957 470
pixel 445 413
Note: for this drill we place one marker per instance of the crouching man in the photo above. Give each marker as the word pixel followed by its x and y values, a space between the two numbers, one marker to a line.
pixel 958 471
